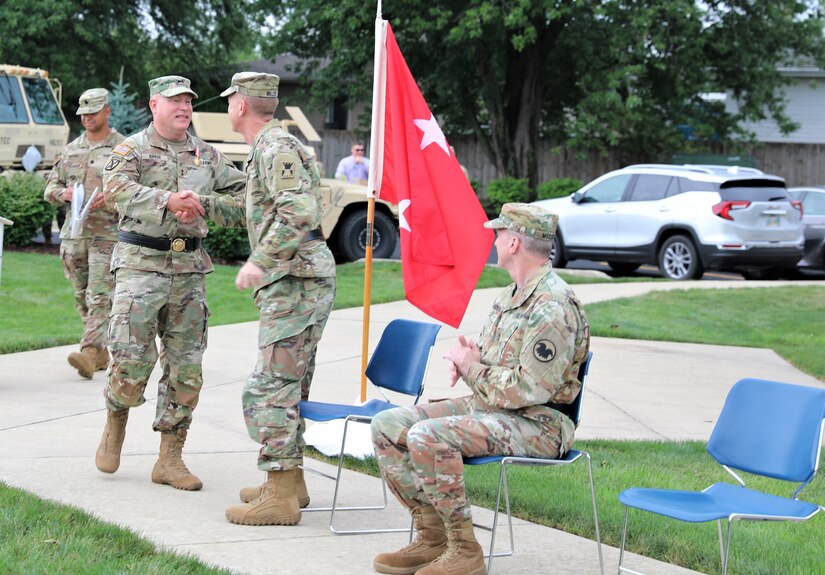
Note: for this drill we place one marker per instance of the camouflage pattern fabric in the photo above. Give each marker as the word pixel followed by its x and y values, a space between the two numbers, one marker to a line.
pixel 285 366
pixel 86 259
pixel 283 204
pixel 86 266
pixel 532 346
pixel 173 307
pixel 81 162
pixel 141 174
pixel 162 292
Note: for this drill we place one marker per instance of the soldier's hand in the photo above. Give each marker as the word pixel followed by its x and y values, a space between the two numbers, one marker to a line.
pixel 98 202
pixel 463 355
pixel 185 205
pixel 66 194
pixel 249 276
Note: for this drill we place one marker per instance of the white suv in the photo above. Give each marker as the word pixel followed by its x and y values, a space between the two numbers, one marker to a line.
pixel 685 219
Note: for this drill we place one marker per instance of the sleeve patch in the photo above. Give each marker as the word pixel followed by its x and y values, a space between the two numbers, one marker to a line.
pixel 113 163
pixel 121 150
pixel 287 170
pixel 544 350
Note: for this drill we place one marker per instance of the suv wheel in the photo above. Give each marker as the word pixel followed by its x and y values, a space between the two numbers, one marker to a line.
pixel 352 236
pixel 679 260
pixel 557 253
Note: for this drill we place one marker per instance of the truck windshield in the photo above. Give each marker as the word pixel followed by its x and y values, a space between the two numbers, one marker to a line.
pixel 12 109
pixel 41 101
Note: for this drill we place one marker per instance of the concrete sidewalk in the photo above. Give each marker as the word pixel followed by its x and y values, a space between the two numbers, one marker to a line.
pixel 51 421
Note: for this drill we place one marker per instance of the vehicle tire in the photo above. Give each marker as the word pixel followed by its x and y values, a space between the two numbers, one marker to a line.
pixel 557 253
pixel 679 260
pixel 351 237
pixel 623 268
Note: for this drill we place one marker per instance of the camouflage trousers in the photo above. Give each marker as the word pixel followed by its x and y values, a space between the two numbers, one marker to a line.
pixel 420 448
pixel 86 265
pixel 169 306
pixel 294 312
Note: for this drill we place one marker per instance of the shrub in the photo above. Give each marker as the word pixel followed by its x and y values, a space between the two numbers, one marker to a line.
pixel 229 244
pixel 21 201
pixel 504 190
pixel 558 188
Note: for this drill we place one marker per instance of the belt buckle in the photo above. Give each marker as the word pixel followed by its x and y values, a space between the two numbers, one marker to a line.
pixel 178 245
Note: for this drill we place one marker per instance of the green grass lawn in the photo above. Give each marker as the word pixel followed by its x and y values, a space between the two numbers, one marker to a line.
pixel 36 311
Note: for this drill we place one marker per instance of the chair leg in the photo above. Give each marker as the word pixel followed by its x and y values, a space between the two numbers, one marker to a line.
pixel 621 549
pixel 595 512
pixel 726 556
pixel 335 507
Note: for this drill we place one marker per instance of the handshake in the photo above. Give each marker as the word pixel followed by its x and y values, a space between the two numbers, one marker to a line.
pixel 185 205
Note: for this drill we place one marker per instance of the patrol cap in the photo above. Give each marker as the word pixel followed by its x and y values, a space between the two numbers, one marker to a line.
pixel 168 86
pixel 255 84
pixel 525 219
pixel 92 101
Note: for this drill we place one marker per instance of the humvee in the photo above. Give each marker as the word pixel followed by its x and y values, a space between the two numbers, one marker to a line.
pixel 344 221
pixel 30 115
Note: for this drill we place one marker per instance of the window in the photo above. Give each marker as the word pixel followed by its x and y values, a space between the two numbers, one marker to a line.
pixel 814 204
pixel 610 190
pixel 12 108
pixel 650 188
pixel 41 101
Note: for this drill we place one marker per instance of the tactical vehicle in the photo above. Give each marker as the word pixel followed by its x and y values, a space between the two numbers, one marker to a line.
pixel 344 222
pixel 30 118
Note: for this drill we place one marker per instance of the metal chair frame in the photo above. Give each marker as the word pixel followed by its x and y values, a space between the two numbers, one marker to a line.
pixel 785 446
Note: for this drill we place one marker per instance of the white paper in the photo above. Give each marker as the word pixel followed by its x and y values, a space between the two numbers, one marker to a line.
pixel 77 208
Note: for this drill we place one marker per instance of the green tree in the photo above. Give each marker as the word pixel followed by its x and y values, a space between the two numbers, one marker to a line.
pixel 624 74
pixel 84 43
pixel 126 118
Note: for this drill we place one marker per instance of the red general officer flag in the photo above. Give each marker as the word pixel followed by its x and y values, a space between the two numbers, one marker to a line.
pixel 444 245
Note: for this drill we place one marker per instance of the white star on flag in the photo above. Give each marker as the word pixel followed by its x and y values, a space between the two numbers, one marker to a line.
pixel 402 220
pixel 432 133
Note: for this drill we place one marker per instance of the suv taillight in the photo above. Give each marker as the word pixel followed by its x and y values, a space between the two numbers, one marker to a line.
pixel 723 209
pixel 798 205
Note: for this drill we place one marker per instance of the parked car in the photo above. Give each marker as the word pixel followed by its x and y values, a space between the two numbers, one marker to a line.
pixel 813 223
pixel 684 218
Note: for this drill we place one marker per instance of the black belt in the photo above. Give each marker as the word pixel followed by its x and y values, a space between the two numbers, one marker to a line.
pixel 315 234
pixel 162 244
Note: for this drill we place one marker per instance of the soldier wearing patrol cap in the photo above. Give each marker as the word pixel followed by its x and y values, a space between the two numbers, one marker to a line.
pixel 163 182
pixel 87 255
pixel 525 363
pixel 292 272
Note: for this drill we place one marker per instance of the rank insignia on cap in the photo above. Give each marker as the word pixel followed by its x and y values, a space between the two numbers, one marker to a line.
pixel 287 170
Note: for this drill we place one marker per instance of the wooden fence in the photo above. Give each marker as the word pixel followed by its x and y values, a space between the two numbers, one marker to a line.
pixel 799 164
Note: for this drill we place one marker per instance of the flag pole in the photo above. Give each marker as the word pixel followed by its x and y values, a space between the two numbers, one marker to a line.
pixel 379 86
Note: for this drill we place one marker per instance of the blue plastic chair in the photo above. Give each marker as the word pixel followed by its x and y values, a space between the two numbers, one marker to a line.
pixel 398 364
pixel 766 428
pixel 573 411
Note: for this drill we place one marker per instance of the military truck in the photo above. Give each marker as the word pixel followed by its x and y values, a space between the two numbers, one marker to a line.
pixel 344 221
pixel 30 116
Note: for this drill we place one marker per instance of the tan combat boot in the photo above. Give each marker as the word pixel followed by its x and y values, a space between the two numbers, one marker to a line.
pixel 429 543
pixel 463 555
pixel 277 504
pixel 251 493
pixel 84 361
pixel 107 458
pixel 170 468
pixel 102 359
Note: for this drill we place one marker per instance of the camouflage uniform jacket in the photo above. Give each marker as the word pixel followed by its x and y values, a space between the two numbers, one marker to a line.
pixel 143 171
pixel 283 204
pixel 532 346
pixel 81 162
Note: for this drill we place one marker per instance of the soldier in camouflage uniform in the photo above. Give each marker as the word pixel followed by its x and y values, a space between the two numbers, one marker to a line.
pixel 293 274
pixel 86 257
pixel 528 358
pixel 163 182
